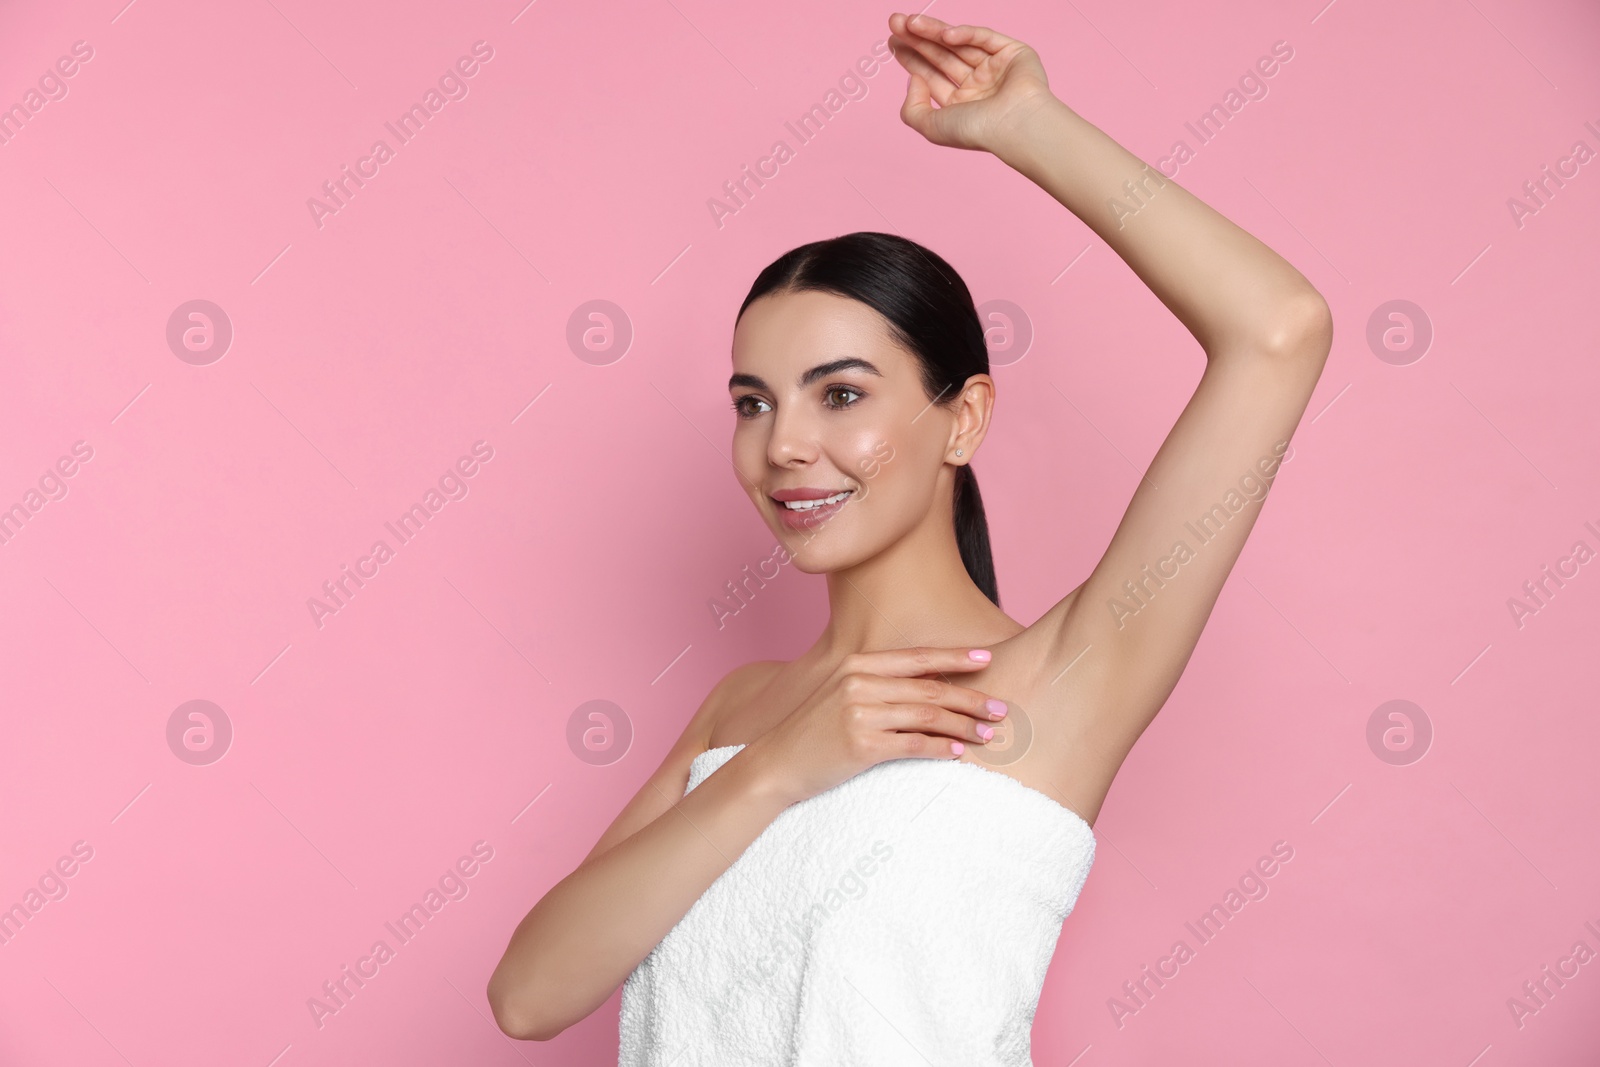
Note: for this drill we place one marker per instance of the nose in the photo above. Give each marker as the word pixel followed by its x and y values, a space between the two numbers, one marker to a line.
pixel 793 441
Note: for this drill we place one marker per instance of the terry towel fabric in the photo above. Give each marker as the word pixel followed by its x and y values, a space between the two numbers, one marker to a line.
pixel 905 916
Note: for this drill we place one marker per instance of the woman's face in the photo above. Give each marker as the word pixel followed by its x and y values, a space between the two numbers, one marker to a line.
pixel 825 400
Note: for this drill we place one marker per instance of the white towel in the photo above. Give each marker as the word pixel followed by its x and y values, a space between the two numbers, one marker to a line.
pixel 905 916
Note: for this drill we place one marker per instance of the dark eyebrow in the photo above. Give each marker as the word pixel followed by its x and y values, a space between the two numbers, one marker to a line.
pixel 821 370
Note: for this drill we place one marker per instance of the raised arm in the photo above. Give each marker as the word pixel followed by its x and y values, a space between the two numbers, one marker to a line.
pixel 1129 629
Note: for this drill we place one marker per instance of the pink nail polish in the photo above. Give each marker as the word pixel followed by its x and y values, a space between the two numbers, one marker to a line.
pixel 982 655
pixel 985 732
pixel 956 748
pixel 995 708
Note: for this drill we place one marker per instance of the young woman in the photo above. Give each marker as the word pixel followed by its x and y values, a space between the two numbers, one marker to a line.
pixel 864 856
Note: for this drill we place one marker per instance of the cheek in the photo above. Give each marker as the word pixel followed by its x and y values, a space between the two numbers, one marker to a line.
pixel 749 457
pixel 873 462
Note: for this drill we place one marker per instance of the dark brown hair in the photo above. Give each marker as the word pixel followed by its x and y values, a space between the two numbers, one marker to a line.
pixel 930 313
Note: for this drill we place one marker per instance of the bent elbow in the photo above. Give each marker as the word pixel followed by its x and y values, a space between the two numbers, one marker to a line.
pixel 515 1017
pixel 1305 330
pixel 524 1027
pixel 529 1030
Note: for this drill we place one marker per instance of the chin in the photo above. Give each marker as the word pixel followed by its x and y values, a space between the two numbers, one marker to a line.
pixel 821 557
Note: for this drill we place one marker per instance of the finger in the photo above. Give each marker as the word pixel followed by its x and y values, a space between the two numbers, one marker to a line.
pixel 921 33
pixel 934 720
pixel 917 110
pixel 913 661
pixel 948 35
pixel 900 25
pixel 973 703
pixel 922 39
pixel 957 37
pixel 941 87
pixel 920 746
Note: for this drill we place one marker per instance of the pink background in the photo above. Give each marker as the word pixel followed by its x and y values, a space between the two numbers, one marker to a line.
pixel 370 752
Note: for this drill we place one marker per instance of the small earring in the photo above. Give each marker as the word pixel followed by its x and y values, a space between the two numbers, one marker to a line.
pixel 958 451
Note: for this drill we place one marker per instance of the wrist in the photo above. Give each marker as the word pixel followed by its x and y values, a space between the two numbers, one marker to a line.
pixel 1014 144
pixel 760 778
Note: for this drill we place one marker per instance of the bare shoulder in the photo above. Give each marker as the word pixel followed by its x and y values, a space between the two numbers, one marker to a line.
pixel 734 692
pixel 729 691
pixel 666 784
pixel 749 677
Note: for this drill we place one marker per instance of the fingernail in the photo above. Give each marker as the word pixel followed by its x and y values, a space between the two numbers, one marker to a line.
pixel 979 654
pixel 956 748
pixel 985 732
pixel 996 708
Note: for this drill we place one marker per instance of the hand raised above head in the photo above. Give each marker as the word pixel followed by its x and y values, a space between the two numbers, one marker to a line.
pixel 984 82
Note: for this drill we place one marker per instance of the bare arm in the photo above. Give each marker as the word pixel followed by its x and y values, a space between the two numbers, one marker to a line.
pixel 666 786
pixel 588 933
pixel 1119 642
pixel 1229 290
pixel 1266 333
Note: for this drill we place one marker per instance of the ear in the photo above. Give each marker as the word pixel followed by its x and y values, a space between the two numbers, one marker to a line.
pixel 971 424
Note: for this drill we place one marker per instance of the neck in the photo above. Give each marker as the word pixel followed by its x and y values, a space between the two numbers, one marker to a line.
pixel 917 592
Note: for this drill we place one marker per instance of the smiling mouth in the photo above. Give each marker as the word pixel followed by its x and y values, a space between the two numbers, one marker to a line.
pixel 812 505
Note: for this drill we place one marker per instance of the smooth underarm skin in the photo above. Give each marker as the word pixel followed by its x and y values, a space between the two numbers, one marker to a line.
pixel 592 928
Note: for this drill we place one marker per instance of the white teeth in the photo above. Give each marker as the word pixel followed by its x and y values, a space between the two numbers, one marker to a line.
pixel 807 505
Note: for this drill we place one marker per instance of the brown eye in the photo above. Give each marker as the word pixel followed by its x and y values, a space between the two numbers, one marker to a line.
pixel 741 410
pixel 832 389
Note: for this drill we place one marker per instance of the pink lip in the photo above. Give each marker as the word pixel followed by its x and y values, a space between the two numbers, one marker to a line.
pixel 811 517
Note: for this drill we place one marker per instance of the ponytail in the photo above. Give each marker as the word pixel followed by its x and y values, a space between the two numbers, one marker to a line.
pixel 930 312
pixel 972 533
